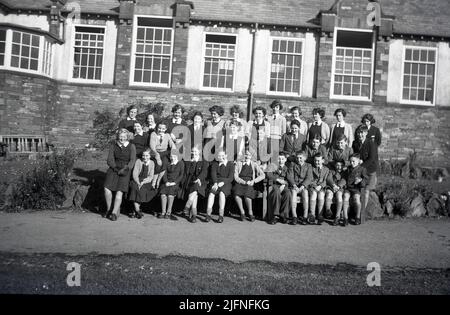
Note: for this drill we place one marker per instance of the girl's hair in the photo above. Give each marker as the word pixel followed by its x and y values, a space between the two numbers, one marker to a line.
pixel 296 108
pixel 275 103
pixel 137 122
pixel 123 131
pixel 340 110
pixel 129 108
pixel 319 111
pixel 218 109
pixel 236 109
pixel 197 113
pixel 368 117
pixel 259 108
pixel 177 107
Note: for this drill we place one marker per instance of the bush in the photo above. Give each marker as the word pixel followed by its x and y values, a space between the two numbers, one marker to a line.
pixel 45 186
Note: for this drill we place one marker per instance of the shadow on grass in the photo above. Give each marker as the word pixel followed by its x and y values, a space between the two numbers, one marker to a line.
pixel 92 181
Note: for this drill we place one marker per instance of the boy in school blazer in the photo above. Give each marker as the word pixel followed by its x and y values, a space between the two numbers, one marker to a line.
pixel 292 143
pixel 317 189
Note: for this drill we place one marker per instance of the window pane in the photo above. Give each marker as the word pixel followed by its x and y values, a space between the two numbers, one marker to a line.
pixel 89 52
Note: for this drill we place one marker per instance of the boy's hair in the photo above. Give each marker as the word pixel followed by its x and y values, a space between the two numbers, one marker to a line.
pixel 368 117
pixel 304 153
pixel 362 128
pixel 147 151
pixel 162 122
pixel 340 110
pixel 282 154
pixel 259 108
pixel 319 111
pixel 356 156
pixel 341 137
pixel 296 108
pixel 275 103
pixel 317 137
pixel 236 109
pixel 177 107
pixel 218 109
pixel 318 154
pixel 339 161
pixel 295 122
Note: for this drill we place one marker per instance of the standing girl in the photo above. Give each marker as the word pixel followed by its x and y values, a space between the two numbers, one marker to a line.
pixel 341 128
pixel 170 185
pixel 318 127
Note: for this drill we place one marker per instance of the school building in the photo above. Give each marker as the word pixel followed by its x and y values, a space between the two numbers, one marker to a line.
pixel 60 61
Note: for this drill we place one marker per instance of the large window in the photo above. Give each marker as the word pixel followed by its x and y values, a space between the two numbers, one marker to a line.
pixel 152 51
pixel 219 61
pixel 353 60
pixel 2 46
pixel 88 53
pixel 419 75
pixel 25 51
pixel 286 65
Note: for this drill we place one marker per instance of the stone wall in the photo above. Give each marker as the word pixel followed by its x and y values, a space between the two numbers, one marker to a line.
pixel 64 112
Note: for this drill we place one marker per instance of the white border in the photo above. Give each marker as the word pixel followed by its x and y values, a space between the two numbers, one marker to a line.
pixel 423 103
pixel 72 53
pixel 202 73
pixel 333 67
pixel 269 66
pixel 133 52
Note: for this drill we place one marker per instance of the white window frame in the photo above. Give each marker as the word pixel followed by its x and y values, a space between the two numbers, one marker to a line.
pixel 8 52
pixel 202 73
pixel 436 60
pixel 72 55
pixel 133 52
pixel 269 66
pixel 333 68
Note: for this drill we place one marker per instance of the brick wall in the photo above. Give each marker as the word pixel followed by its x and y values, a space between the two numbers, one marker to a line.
pixel 64 112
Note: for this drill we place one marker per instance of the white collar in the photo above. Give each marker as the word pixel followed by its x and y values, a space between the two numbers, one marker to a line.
pixel 128 118
pixel 139 134
pixel 340 124
pixel 123 145
pixel 318 124
pixel 223 163
pixel 176 120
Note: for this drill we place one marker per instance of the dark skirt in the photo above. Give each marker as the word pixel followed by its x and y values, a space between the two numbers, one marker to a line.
pixel 245 191
pixel 114 182
pixel 171 190
pixel 145 194
pixel 226 189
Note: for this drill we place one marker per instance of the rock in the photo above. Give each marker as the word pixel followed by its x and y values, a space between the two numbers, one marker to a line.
pixel 69 194
pixel 80 196
pixel 435 206
pixel 418 207
pixel 389 208
pixel 374 209
pixel 7 196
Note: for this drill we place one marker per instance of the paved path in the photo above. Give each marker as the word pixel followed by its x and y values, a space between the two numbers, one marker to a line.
pixel 417 243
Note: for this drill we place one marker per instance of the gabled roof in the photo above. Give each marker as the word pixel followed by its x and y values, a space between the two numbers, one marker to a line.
pixel 419 17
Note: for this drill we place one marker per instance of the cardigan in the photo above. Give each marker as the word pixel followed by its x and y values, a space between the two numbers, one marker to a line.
pixel 157 146
pixel 137 171
pixel 348 132
pixel 228 175
pixel 257 175
pixel 277 126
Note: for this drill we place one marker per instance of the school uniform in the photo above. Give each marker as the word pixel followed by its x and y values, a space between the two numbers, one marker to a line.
pixel 351 175
pixel 311 152
pixel 196 133
pixel 160 146
pixel 277 125
pixel 369 155
pixel 321 129
pixel 303 126
pixel 119 156
pixel 128 124
pixel 174 173
pixel 253 127
pixel 261 149
pixel 244 172
pixel 319 177
pixel 242 130
pixel 194 170
pixel 336 154
pixel 341 128
pixel 291 144
pixel 279 202
pixel 336 178
pixel 221 172
pixel 234 146
pixel 172 123
pixel 141 142
pixel 143 174
pixel 216 131
pixel 300 175
pixel 149 129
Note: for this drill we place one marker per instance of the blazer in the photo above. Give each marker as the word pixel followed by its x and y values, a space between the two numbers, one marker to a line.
pixel 290 145
pixel 336 154
pixel 303 126
pixel 258 174
pixel 111 160
pixel 335 178
pixel 348 132
pixel 278 173
pixel 277 126
pixel 353 173
pixel 319 178
pixel 227 177
pixel 300 175
pixel 311 152
pixel 138 168
pixel 197 170
pixel 369 155
pixel 325 132
pixel 374 134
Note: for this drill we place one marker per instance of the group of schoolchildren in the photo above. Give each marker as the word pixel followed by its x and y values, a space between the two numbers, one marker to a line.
pixel 294 160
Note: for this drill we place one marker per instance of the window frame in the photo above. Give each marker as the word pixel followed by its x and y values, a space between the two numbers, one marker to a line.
pixel 269 66
pixel 333 67
pixel 412 102
pixel 202 73
pixel 8 52
pixel 72 55
pixel 131 81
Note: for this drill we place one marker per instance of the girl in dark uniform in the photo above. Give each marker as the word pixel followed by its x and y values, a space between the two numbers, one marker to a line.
pixel 246 175
pixel 341 128
pixel 318 127
pixel 141 188
pixel 140 140
pixel 128 123
pixel 194 183
pixel 170 185
pixel 121 158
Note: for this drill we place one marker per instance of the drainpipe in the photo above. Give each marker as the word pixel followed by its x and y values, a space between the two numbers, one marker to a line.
pixel 252 74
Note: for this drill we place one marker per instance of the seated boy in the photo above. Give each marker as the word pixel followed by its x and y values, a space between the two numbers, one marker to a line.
pixel 341 151
pixel 299 177
pixel 317 189
pixel 356 181
pixel 279 198
pixel 335 187
pixel 315 147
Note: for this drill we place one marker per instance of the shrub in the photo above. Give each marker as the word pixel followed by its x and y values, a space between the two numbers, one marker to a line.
pixel 105 124
pixel 44 187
